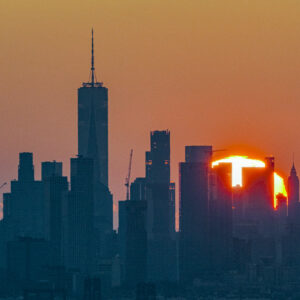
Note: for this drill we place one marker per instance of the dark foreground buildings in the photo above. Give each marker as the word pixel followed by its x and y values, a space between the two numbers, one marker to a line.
pixel 237 233
pixel 147 240
pixel 32 226
pixel 230 240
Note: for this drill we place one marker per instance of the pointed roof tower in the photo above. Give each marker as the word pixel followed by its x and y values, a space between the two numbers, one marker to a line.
pixel 293 169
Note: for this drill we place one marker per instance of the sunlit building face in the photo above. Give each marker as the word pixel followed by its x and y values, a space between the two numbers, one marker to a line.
pixel 240 162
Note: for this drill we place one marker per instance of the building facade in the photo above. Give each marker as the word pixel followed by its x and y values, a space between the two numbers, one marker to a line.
pixel 79 227
pixel 194 212
pixel 160 209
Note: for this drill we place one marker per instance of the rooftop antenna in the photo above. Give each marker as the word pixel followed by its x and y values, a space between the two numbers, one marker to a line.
pixel 92 76
pixel 293 166
pixel 293 158
pixel 92 62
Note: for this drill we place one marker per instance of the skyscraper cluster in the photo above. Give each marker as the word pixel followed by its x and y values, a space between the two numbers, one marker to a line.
pixel 57 239
pixel 57 230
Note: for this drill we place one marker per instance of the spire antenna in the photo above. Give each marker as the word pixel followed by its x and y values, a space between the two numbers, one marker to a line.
pixel 92 75
pixel 92 62
pixel 293 158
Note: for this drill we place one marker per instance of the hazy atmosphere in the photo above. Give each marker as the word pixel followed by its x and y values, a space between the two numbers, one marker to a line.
pixel 221 73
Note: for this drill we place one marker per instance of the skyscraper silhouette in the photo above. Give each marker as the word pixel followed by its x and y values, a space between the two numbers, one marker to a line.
pixel 25 169
pixel 135 242
pixel 259 197
pixel 79 228
pixel 158 159
pixel 194 212
pixel 293 193
pixel 160 209
pixel 291 242
pixel 55 197
pixel 93 123
pixel 220 211
pixel 51 168
pixel 158 181
pixel 93 143
pixel 24 206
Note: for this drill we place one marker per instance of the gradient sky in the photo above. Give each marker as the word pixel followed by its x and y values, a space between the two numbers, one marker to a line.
pixel 220 72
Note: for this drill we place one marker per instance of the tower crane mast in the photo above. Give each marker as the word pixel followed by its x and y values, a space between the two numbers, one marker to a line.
pixel 127 180
pixel 2 185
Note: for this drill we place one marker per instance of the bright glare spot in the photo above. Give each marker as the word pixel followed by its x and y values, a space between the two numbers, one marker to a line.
pixel 279 188
pixel 238 163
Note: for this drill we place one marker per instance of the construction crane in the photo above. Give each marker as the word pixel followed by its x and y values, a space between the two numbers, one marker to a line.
pixel 5 183
pixel 127 180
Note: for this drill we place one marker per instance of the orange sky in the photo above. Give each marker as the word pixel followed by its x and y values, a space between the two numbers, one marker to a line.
pixel 215 72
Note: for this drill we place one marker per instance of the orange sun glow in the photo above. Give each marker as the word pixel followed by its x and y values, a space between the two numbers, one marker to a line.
pixel 279 188
pixel 240 162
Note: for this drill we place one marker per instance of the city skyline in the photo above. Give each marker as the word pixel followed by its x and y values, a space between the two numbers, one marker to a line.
pixel 157 150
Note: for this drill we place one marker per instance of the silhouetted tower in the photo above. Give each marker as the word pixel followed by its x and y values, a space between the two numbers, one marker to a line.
pixel 136 242
pixel 26 169
pixel 158 159
pixel 138 189
pixel 259 194
pixel 93 143
pixel 24 208
pixel 160 202
pixel 194 212
pixel 93 123
pixel 158 181
pixel 220 210
pixel 51 168
pixel 133 234
pixel 291 242
pixel 293 186
pixel 55 197
pixel 79 227
pixel 293 193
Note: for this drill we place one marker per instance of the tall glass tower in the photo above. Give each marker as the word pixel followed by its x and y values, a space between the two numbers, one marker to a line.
pixel 93 143
pixel 93 123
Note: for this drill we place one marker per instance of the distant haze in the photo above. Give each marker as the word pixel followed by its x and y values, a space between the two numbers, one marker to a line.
pixel 224 73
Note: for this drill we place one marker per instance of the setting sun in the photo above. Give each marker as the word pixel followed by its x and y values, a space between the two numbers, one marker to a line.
pixel 240 162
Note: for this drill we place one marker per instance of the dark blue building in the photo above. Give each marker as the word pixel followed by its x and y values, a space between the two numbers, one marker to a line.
pixel 194 213
pixel 93 143
pixel 160 195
